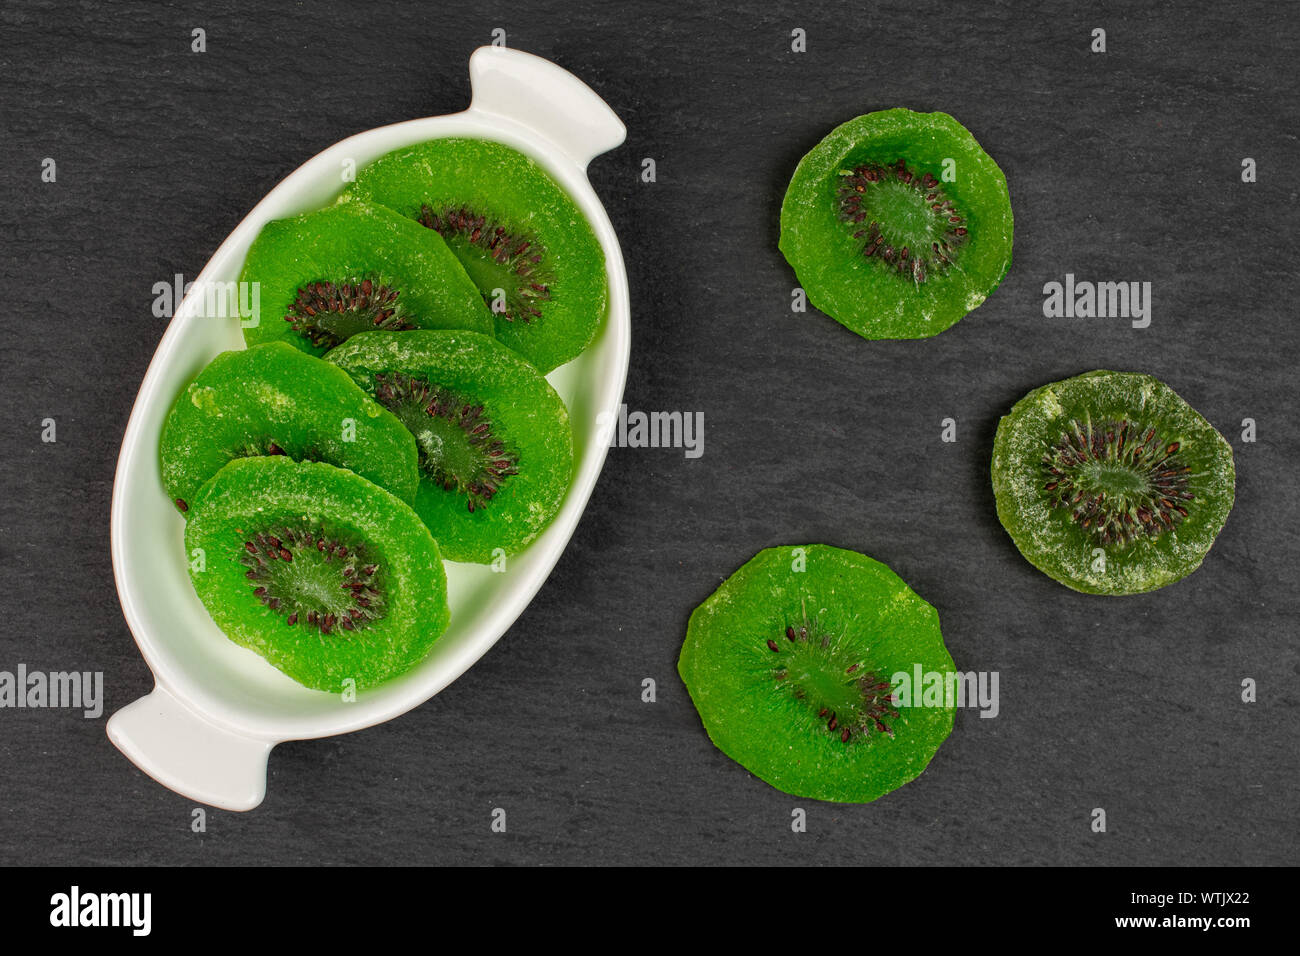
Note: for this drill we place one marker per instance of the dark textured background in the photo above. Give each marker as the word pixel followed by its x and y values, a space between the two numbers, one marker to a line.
pixel 1122 167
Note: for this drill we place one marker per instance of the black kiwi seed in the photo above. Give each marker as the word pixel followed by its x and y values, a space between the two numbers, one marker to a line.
pixel 328 313
pixel 522 256
pixel 312 577
pixel 458 448
pixel 1156 500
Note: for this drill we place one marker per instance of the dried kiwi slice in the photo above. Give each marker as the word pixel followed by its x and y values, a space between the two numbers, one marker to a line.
pixel 324 574
pixel 790 664
pixel 523 241
pixel 495 447
pixel 355 267
pixel 897 224
pixel 1110 483
pixel 272 399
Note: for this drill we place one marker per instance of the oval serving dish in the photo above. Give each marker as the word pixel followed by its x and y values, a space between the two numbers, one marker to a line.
pixel 216 710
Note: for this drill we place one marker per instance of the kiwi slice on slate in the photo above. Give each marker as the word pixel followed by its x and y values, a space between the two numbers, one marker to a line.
pixel 521 238
pixel 272 399
pixel 495 446
pixel 790 664
pixel 355 267
pixel 327 576
pixel 897 224
pixel 1110 483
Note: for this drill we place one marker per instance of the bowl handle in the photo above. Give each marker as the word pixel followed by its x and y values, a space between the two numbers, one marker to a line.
pixel 190 754
pixel 547 99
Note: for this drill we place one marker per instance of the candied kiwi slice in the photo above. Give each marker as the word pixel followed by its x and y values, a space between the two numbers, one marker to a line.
pixel 1110 483
pixel 897 224
pixel 524 242
pixel 495 445
pixel 324 574
pixel 355 267
pixel 792 666
pixel 272 399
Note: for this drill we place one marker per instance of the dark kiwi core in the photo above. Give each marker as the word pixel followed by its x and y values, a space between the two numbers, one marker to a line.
pixel 314 578
pixel 830 678
pixel 903 218
pixel 458 447
pixel 1120 481
pixel 328 313
pixel 495 258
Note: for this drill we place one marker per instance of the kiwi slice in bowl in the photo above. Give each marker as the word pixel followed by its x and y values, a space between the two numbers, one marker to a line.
pixel 1110 483
pixel 355 267
pixel 897 224
pixel 494 441
pixel 790 664
pixel 272 399
pixel 327 576
pixel 522 239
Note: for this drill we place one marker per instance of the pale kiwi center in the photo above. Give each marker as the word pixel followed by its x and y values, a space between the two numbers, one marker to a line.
pixel 905 217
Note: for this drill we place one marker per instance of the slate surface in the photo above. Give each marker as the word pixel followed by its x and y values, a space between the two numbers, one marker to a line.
pixel 1122 166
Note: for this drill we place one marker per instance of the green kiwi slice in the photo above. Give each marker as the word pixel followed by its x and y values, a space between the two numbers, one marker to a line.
pixel 353 267
pixel 1110 483
pixel 327 576
pixel 272 399
pixel 521 238
pixel 495 446
pixel 791 666
pixel 897 224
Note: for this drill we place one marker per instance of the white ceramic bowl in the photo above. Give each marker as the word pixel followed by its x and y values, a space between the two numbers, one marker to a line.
pixel 217 709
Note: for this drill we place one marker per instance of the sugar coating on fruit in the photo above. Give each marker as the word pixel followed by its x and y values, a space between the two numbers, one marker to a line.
pixel 790 664
pixel 1110 483
pixel 273 399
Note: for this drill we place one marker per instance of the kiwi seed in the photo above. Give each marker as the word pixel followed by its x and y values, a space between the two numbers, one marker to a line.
pixel 312 578
pixel 476 239
pixel 328 313
pixel 458 448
